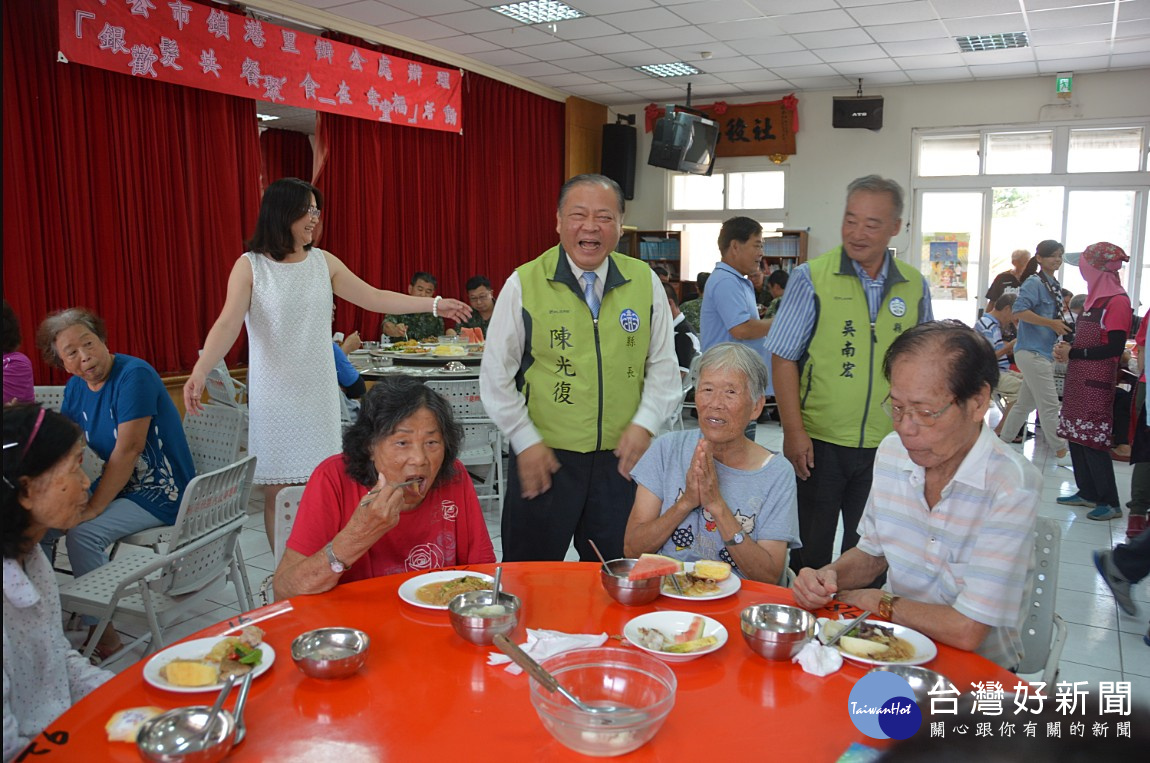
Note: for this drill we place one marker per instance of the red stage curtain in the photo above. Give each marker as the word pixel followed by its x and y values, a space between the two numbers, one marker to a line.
pixel 399 200
pixel 286 154
pixel 130 197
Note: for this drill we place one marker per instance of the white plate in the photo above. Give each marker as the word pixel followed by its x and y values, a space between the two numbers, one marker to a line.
pixel 671 623
pixel 197 649
pixel 924 648
pixel 726 588
pixel 409 587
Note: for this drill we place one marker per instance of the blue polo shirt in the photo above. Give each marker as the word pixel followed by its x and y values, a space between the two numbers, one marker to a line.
pixel 729 301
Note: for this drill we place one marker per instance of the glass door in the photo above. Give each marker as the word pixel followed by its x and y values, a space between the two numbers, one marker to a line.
pixel 951 252
pixel 1103 215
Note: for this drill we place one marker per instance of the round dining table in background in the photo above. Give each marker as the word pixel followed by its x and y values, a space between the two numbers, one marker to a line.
pixel 425 694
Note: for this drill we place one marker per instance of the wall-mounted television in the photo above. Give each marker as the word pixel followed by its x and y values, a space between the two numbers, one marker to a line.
pixel 684 142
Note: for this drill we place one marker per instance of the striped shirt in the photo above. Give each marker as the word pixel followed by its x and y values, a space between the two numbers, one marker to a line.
pixel 795 323
pixel 974 551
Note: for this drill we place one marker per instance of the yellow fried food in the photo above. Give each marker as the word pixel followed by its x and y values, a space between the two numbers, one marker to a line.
pixel 190 673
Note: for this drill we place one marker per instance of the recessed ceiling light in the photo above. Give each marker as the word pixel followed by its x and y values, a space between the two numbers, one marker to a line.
pixel 973 42
pixel 676 69
pixel 539 11
pixel 266 117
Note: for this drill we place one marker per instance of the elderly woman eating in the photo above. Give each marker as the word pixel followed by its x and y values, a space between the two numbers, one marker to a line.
pixel 395 500
pixel 713 493
pixel 129 421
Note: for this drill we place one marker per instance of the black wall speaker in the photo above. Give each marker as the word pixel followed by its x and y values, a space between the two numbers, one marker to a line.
pixel 617 160
pixel 864 112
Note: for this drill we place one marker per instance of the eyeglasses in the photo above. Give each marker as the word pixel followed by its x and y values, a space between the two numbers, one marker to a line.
pixel 923 417
pixel 314 211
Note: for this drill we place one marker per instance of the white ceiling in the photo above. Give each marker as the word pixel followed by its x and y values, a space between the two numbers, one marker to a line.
pixel 768 47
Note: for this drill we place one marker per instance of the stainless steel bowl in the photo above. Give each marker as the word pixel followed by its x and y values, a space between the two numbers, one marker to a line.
pixel 330 652
pixel 177 736
pixel 776 631
pixel 630 593
pixel 921 680
pixel 468 618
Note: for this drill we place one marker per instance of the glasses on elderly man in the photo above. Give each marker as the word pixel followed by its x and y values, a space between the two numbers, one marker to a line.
pixel 314 211
pixel 923 417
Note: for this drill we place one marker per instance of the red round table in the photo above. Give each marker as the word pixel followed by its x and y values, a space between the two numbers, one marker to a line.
pixel 426 694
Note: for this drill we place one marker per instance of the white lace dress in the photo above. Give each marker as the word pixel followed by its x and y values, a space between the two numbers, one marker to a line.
pixel 293 396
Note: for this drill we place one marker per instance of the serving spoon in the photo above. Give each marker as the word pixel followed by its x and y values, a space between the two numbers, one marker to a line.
pixel 215 711
pixel 241 701
pixel 602 561
pixel 540 674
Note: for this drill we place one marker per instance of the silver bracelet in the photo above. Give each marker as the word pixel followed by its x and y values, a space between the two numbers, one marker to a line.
pixel 435 307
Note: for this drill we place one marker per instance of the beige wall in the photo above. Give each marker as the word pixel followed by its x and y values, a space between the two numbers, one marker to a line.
pixel 827 159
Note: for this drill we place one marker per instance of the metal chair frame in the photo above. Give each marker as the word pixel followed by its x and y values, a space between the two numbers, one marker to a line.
pixel 1043 631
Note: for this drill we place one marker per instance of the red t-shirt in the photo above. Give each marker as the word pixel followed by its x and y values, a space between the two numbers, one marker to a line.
pixel 1140 340
pixel 446 529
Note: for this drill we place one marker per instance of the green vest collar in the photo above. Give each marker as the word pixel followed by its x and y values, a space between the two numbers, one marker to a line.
pixel 564 275
pixel 893 275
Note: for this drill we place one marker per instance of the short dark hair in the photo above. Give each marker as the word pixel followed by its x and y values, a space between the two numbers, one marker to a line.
pixel 1048 248
pixel 56 322
pixel 421 276
pixel 389 403
pixel 11 329
pixel 27 457
pixel 1005 301
pixel 739 229
pixel 661 270
pixel 285 201
pixel 969 358
pixel 701 281
pixel 592 179
pixel 475 282
pixel 670 292
pixel 778 278
pixel 879 184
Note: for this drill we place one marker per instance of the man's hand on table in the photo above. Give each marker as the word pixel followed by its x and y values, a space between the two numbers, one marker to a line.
pixel 814 588
pixel 633 443
pixel 536 465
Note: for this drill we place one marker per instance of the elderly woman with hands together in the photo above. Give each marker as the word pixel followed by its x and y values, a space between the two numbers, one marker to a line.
pixel 396 500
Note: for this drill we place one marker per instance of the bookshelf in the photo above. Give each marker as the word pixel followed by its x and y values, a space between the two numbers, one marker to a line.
pixel 655 247
pixel 786 250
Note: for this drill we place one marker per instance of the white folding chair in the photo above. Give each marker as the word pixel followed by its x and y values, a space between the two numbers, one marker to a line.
pixel 223 390
pixel 689 382
pixel 160 590
pixel 1043 631
pixel 49 397
pixel 287 506
pixel 482 441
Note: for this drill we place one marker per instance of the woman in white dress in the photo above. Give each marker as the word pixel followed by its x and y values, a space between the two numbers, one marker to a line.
pixel 282 290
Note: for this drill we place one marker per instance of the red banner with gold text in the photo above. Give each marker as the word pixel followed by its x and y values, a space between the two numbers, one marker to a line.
pixel 197 46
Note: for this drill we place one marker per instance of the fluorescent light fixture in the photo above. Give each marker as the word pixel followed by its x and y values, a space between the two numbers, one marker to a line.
pixel 266 117
pixel 974 42
pixel 539 11
pixel 676 69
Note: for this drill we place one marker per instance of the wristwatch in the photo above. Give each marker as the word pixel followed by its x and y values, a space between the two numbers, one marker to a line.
pixel 336 565
pixel 736 539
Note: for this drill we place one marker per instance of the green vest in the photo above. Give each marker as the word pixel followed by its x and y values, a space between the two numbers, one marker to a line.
pixel 841 382
pixel 570 361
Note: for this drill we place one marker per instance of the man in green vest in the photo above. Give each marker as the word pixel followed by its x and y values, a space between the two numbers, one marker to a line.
pixel 579 373
pixel 842 311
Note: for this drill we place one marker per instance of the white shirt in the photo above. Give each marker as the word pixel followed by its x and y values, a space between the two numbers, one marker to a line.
pixel 662 388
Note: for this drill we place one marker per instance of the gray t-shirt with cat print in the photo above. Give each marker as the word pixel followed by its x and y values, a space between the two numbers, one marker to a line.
pixel 763 499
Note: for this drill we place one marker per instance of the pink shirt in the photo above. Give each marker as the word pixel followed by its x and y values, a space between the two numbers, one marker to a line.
pixel 447 529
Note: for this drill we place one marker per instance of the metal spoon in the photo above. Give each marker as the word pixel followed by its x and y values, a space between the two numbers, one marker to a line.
pixel 228 682
pixel 601 559
pixel 850 626
pixel 540 674
pixel 238 710
pixel 495 585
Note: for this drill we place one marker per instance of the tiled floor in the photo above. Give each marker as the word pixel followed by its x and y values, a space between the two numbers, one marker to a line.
pixel 1104 644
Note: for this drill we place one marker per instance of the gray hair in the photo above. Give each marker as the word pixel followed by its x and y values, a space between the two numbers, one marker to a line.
pixel 592 179
pixel 879 184
pixel 1078 302
pixel 737 357
pixel 61 320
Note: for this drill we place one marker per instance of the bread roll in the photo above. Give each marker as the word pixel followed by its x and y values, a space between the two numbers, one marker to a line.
pixel 711 570
pixel 190 673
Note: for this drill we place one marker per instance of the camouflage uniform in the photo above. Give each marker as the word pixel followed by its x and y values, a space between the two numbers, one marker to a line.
pixel 475 322
pixel 691 309
pixel 420 326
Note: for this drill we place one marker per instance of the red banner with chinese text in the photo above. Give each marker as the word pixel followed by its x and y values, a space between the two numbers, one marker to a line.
pixel 208 48
pixel 749 129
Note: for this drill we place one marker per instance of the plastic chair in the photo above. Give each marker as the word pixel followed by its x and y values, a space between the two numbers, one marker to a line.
pixel 49 397
pixel 1043 631
pixel 223 390
pixel 287 506
pixel 689 382
pixel 162 590
pixel 482 441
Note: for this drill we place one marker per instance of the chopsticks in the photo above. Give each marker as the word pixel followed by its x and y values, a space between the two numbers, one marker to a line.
pixel 850 626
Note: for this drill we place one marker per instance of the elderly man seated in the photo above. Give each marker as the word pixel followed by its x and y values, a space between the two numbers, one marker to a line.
pixel 952 511
pixel 712 493
pixel 395 500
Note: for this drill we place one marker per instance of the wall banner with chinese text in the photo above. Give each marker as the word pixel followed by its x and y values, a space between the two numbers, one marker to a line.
pixel 188 44
pixel 749 129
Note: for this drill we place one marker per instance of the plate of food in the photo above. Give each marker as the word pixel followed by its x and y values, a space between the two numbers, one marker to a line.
pixel 675 636
pixel 879 643
pixel 702 580
pixel 434 590
pixel 202 664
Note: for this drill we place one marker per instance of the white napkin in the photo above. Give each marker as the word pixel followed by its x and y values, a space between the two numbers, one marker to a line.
pixel 542 644
pixel 817 659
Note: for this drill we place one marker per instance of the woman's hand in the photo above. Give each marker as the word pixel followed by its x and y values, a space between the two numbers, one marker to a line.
pixel 194 393
pixel 453 309
pixel 706 478
pixel 1061 352
pixel 378 511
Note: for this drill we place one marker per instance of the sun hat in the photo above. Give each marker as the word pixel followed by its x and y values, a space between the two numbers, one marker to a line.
pixel 1101 256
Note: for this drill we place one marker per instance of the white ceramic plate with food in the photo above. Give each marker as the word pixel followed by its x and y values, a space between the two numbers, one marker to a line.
pixel 197 649
pixel 409 590
pixel 923 649
pixel 727 587
pixel 671 624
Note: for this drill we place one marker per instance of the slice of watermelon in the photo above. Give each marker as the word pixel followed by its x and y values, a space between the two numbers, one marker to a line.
pixel 694 631
pixel 653 566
